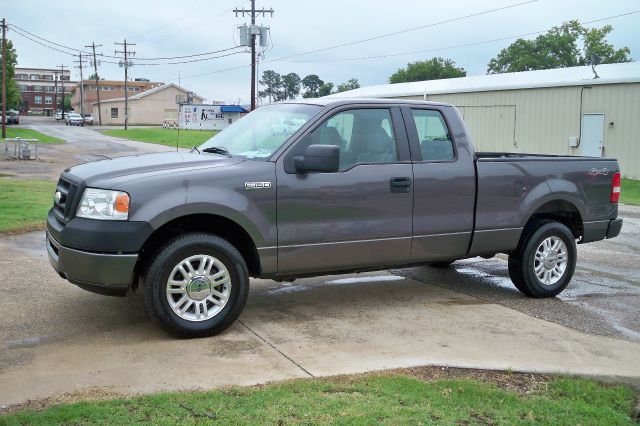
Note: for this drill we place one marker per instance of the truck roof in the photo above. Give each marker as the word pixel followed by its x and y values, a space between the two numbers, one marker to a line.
pixel 324 101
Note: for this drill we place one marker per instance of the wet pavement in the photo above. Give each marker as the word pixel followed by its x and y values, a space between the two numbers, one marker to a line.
pixel 603 297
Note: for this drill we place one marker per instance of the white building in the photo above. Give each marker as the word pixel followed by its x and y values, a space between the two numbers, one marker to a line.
pixel 559 111
pixel 209 117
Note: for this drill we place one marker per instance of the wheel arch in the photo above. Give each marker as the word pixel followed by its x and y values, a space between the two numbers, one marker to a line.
pixel 561 210
pixel 195 221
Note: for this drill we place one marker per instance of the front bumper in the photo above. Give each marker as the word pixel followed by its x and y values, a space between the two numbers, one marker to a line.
pixel 109 274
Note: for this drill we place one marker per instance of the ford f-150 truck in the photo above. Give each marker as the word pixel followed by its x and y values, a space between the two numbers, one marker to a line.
pixel 352 185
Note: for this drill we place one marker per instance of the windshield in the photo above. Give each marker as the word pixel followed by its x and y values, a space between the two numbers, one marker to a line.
pixel 260 133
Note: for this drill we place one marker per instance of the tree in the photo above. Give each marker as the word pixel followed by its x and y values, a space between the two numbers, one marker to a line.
pixel 325 89
pixel 93 77
pixel 558 48
pixel 349 85
pixel 13 91
pixel 291 85
pixel 312 83
pixel 67 103
pixel 435 68
pixel 273 83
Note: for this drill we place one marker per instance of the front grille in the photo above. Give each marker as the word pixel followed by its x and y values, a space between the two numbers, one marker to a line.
pixel 63 208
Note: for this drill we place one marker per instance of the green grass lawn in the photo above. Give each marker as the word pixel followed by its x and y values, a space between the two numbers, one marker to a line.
pixel 16 132
pixel 630 192
pixel 24 204
pixel 158 135
pixel 362 401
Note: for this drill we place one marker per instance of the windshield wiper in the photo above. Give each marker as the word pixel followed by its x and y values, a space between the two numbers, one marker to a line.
pixel 218 150
pixel 194 148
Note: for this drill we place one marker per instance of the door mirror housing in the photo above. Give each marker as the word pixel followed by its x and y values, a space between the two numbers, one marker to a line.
pixel 319 158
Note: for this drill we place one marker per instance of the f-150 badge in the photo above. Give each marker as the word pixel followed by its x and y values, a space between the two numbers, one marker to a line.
pixel 250 186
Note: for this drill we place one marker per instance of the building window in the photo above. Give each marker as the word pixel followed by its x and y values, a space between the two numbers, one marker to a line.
pixel 23 87
pixel 49 89
pixel 34 77
pixel 230 121
pixel 48 100
pixel 22 76
pixel 37 88
pixel 114 112
pixel 48 77
pixel 37 99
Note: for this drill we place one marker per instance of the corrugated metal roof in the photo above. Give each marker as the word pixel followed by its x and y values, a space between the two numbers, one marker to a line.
pixel 575 76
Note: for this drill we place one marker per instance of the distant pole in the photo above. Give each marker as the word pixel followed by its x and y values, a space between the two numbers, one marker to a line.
pixel 81 85
pixel 95 73
pixel 126 64
pixel 4 78
pixel 62 87
pixel 55 93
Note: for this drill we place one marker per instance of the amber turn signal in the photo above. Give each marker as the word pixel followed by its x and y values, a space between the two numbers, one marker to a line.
pixel 122 203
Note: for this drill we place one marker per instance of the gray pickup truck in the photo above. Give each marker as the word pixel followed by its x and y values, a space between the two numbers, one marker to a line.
pixel 347 186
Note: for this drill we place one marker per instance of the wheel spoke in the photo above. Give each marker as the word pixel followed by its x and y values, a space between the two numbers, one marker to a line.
pixel 216 301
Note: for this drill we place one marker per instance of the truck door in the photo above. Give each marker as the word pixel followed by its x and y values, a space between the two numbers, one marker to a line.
pixel 359 216
pixel 444 183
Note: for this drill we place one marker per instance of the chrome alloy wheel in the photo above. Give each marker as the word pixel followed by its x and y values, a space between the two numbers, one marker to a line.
pixel 551 260
pixel 198 288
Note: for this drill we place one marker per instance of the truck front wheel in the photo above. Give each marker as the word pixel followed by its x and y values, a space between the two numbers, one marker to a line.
pixel 196 286
pixel 544 262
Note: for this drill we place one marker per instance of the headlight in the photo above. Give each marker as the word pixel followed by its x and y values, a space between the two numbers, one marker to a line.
pixel 104 204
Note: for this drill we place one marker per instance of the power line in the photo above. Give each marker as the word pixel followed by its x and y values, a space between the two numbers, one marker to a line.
pixel 76 51
pixel 413 52
pixel 446 21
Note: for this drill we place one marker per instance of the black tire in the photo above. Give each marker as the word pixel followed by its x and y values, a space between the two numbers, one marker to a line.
pixel 522 260
pixel 441 264
pixel 155 293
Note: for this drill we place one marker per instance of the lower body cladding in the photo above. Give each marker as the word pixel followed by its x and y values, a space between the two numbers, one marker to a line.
pixel 109 274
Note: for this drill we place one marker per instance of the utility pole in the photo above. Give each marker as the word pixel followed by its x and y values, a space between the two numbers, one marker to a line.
pixel 253 31
pixel 55 93
pixel 4 78
pixel 95 73
pixel 62 67
pixel 79 61
pixel 126 64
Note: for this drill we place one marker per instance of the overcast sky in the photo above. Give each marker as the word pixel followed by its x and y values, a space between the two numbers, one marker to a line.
pixel 172 28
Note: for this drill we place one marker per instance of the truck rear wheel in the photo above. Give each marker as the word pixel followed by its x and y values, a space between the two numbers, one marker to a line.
pixel 544 262
pixel 196 286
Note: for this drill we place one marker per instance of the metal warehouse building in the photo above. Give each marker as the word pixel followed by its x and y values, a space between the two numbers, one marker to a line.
pixel 559 111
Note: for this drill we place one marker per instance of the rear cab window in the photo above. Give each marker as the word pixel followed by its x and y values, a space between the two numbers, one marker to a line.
pixel 433 135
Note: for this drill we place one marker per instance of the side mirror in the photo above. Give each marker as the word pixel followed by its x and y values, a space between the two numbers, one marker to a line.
pixel 319 158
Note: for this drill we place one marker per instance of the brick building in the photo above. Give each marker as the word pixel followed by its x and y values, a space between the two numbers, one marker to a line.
pixel 109 89
pixel 41 89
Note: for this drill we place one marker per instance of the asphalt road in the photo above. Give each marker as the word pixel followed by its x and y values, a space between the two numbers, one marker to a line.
pixel 56 338
pixel 83 145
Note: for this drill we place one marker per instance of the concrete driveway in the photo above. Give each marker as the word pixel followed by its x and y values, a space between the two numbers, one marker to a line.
pixel 59 339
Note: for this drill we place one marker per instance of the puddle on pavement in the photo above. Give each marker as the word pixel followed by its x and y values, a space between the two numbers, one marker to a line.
pixel 28 342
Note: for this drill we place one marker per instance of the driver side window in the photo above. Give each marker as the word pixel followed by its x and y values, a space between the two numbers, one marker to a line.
pixel 363 135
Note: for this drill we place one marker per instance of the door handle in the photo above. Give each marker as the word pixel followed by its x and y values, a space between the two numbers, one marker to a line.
pixel 400 184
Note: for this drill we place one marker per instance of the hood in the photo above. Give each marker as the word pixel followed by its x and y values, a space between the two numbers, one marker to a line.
pixel 131 167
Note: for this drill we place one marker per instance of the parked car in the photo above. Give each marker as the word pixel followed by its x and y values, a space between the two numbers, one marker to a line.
pixel 73 119
pixel 58 115
pixel 359 185
pixel 13 117
pixel 88 118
